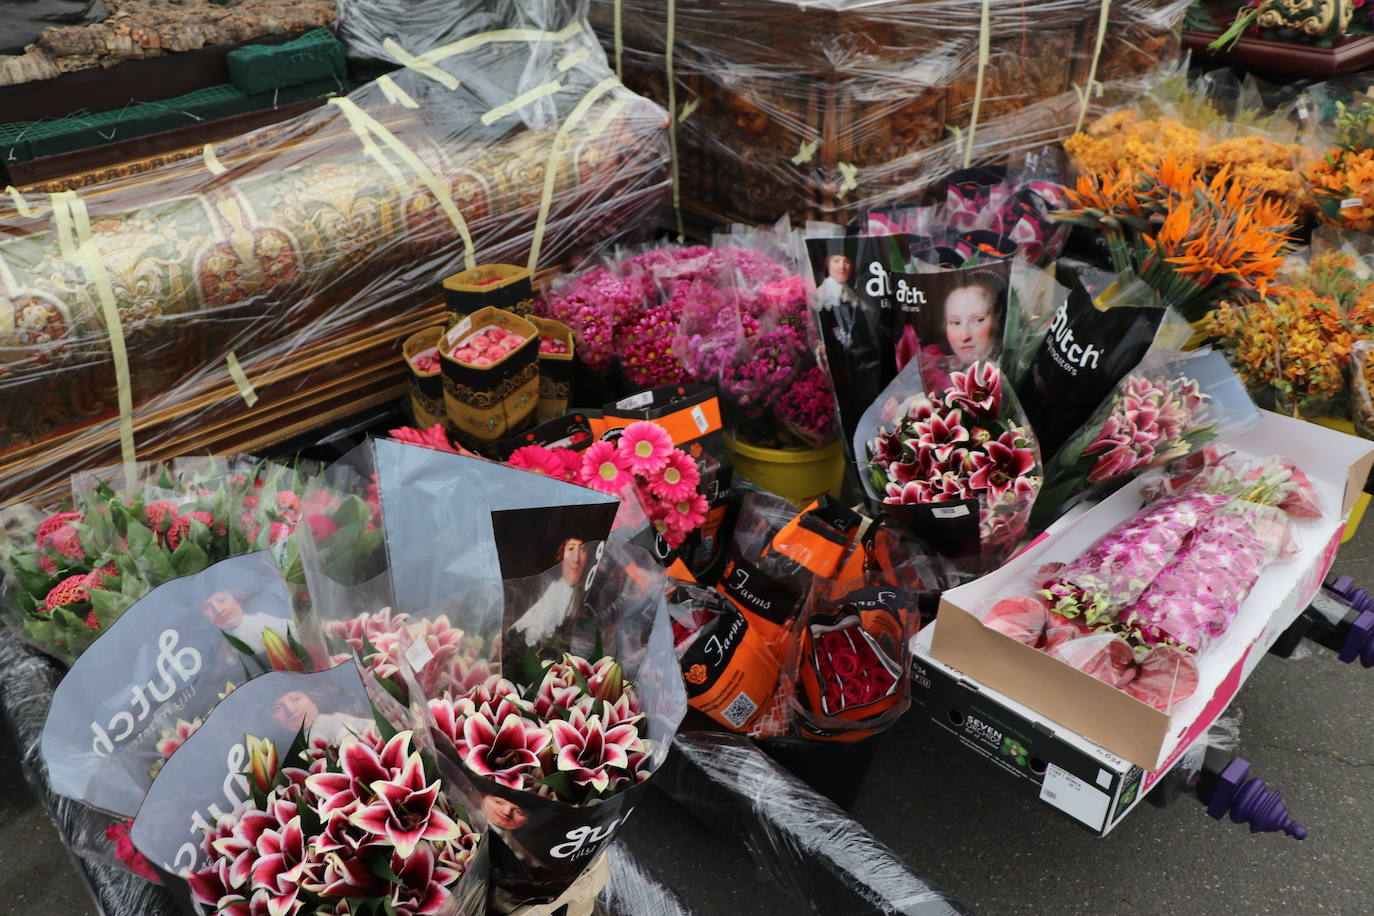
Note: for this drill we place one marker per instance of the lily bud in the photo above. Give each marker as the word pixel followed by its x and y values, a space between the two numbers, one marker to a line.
pixel 279 654
pixel 612 685
pixel 262 763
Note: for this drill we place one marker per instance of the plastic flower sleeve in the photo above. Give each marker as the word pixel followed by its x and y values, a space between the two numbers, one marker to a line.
pixel 73 569
pixel 559 765
pixel 957 466
pixel 322 241
pixel 140 689
pixel 1165 409
pixel 266 776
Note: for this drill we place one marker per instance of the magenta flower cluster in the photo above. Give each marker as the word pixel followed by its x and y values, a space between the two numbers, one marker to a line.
pixel 1148 422
pixel 729 316
pixel 575 736
pixel 350 827
pixel 963 444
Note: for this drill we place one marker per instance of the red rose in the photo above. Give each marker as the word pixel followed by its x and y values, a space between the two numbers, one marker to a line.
pixel 845 662
pixel 855 692
pixel 322 527
pixel 832 697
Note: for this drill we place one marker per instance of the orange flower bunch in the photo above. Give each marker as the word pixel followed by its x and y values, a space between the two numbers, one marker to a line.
pixel 1343 186
pixel 1126 138
pixel 1293 347
pixel 1192 240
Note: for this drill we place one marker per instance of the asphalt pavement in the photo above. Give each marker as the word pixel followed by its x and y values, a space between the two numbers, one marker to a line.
pixel 1307 727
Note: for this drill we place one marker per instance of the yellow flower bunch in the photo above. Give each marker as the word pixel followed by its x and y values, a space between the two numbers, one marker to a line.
pixel 1127 138
pixel 1291 342
pixel 1263 164
pixel 1343 187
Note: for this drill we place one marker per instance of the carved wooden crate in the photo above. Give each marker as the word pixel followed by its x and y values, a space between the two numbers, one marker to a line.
pixel 822 113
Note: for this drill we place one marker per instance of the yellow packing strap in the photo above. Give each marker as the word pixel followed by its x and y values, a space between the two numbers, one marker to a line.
pixel 619 43
pixel 669 39
pixel 363 123
pixel 371 149
pixel 240 378
pixel 551 167
pixel 394 93
pixel 572 59
pixel 419 64
pixel 212 162
pixel 73 227
pixel 1092 70
pixel 20 203
pixel 472 42
pixel 984 52
pixel 520 101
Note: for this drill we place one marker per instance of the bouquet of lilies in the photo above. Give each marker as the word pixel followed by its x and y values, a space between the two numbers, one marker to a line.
pixel 968 442
pixel 357 825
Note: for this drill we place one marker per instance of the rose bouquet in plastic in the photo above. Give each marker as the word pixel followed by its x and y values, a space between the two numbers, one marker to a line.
pixel 1158 588
pixel 960 466
pixel 71 573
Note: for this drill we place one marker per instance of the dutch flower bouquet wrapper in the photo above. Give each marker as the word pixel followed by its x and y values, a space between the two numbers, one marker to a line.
pixel 312 794
pixel 70 572
pixel 1169 407
pixel 148 682
pixel 532 578
pixel 958 467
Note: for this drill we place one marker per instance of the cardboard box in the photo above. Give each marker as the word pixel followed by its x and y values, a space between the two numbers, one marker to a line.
pixel 1336 463
pixel 1039 759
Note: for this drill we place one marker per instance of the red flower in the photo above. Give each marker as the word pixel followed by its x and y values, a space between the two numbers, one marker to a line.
pixel 60 533
pixel 159 513
pixel 322 527
pixel 125 851
pixel 71 590
pixel 1001 464
pixel 182 526
pixel 288 500
pixel 854 691
pixel 91 622
pixel 845 661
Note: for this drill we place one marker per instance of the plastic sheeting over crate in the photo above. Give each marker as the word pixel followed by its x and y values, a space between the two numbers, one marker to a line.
pixel 825 109
pixel 145 312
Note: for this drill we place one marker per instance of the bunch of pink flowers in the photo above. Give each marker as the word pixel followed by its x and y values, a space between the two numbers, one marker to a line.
pixel 1147 422
pixel 965 443
pixel 575 736
pixel 664 478
pixel 378 639
pixel 349 827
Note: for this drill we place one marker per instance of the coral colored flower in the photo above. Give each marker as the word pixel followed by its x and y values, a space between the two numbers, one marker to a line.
pixel 538 459
pixel 677 480
pixel 182 526
pixel 71 590
pixel 159 514
pixel 434 437
pixel 605 468
pixel 322 527
pixel 646 446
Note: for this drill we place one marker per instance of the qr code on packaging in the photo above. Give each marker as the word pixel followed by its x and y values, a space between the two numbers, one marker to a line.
pixel 739 710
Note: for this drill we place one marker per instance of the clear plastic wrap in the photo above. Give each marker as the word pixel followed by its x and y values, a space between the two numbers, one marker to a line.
pixel 490 606
pixel 142 314
pixel 805 842
pixel 825 110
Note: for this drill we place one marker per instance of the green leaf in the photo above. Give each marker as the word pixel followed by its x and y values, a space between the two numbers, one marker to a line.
pixel 379 863
pixel 533 668
pixel 108 605
pixel 561 783
pixel 242 646
pixel 140 538
pixel 299 650
pixel 158 563
pixel 352 511
pixel 188 558
pixel 384 726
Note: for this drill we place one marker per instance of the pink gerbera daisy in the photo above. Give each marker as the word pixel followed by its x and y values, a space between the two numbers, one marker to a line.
pixel 538 459
pixel 689 513
pixel 678 479
pixel 606 468
pixel 647 446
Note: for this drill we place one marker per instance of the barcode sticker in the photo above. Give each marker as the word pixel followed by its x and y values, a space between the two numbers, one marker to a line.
pixel 1078 799
pixel 739 710
pixel 1350 202
pixel 699 418
pixel 949 511
pixel 418 655
pixel 636 401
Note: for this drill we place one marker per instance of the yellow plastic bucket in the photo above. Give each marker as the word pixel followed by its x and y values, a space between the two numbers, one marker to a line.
pixel 1341 424
pixel 799 475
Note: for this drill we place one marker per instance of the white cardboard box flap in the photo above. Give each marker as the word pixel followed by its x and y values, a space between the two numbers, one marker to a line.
pixel 1337 465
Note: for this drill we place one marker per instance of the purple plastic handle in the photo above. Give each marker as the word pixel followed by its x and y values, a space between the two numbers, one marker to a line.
pixel 1251 801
